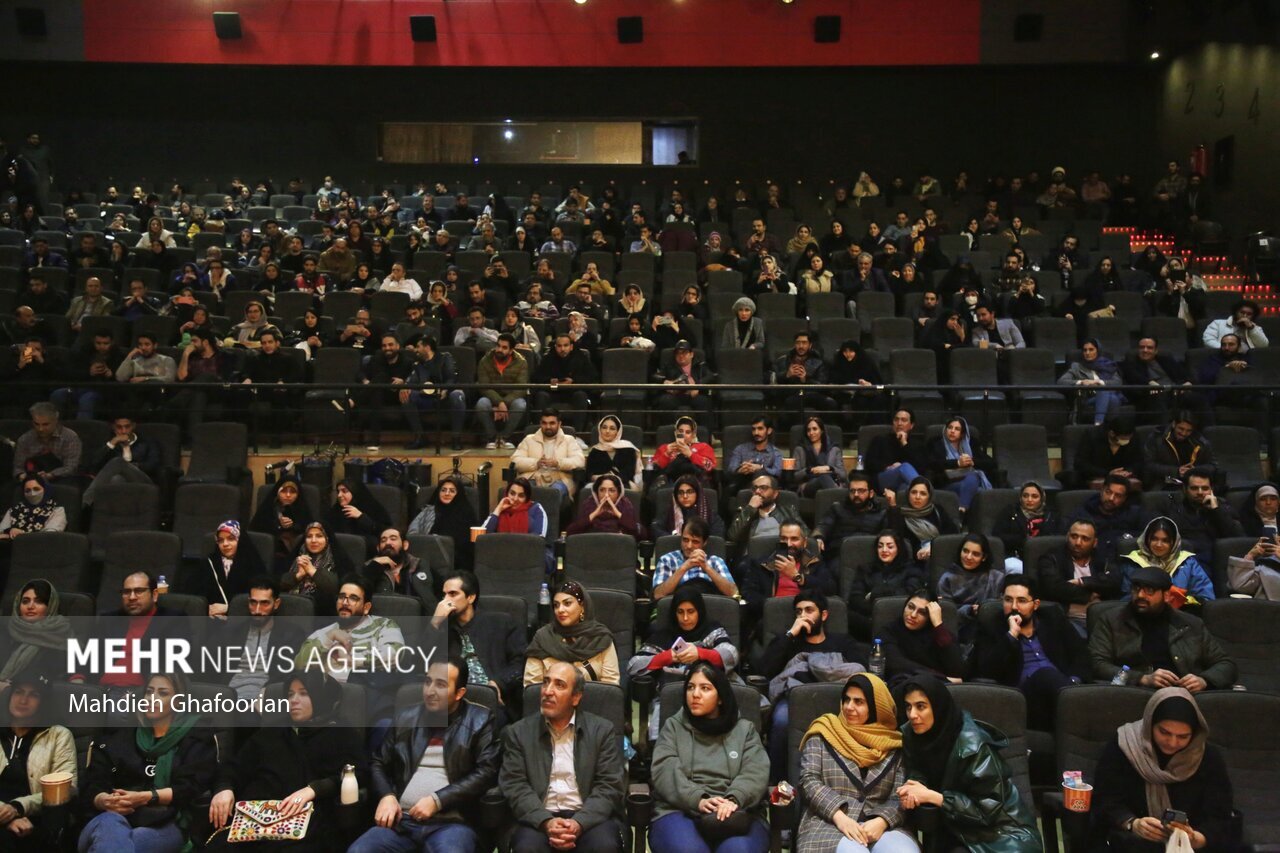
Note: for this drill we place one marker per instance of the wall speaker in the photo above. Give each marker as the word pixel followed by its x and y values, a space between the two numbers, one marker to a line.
pixel 422 27
pixel 826 29
pixel 1028 27
pixel 31 22
pixel 227 25
pixel 631 30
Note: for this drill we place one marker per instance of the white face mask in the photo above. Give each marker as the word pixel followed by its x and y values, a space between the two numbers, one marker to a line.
pixel 971 300
pixel 1122 442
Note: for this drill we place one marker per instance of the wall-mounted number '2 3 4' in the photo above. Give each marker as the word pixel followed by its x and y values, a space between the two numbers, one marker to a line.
pixel 1220 102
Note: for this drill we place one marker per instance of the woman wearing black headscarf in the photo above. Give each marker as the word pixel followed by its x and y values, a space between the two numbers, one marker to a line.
pixel 449 513
pixel 851 367
pixel 954 764
pixel 357 512
pixel 283 514
pixel 919 643
pixel 317 567
pixel 1163 761
pixel 710 772
pixel 699 637
pixel 893 571
pixel 299 764
pixel 573 636
pixel 229 569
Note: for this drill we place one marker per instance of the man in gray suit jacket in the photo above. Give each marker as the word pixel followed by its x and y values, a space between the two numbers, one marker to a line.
pixel 562 773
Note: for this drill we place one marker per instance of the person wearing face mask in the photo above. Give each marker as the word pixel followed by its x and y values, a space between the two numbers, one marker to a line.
pixel 35 512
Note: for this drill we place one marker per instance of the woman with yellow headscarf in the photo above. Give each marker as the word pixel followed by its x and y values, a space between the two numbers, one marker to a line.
pixel 850 771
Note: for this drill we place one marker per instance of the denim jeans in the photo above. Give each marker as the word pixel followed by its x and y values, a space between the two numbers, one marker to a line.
pixel 897 478
pixel 111 833
pixel 679 832
pixel 484 414
pixel 413 836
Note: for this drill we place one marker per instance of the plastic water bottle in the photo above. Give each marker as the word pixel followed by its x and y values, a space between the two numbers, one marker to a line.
pixel 544 596
pixel 162 585
pixel 876 664
pixel 1122 676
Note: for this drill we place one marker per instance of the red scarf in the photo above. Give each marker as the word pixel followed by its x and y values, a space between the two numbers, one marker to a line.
pixel 515 519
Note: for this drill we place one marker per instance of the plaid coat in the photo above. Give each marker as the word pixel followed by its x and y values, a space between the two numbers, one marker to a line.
pixel 827 787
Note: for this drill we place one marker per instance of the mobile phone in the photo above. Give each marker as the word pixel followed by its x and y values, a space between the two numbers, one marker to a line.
pixel 678 645
pixel 1173 816
pixel 1269 532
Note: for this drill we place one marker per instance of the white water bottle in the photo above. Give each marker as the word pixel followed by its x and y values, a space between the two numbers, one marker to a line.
pixel 876 664
pixel 162 585
pixel 544 596
pixel 350 787
pixel 1121 677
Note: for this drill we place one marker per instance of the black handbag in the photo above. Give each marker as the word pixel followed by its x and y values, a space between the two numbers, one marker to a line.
pixel 713 830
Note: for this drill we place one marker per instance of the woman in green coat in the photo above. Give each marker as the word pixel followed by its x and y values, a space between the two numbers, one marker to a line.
pixel 954 764
pixel 710 773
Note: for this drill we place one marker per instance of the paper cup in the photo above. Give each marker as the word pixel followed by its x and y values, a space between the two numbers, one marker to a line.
pixel 789 464
pixel 984 343
pixel 1077 798
pixel 55 788
pixel 477 532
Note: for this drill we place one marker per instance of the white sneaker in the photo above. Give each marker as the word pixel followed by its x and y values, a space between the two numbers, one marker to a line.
pixel 506 445
pixel 492 445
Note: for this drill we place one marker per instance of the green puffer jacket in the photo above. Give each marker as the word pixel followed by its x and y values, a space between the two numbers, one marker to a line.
pixel 981 806
pixel 688 766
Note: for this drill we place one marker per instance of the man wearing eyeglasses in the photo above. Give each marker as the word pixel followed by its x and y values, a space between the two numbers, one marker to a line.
pixel 140 617
pixel 761 515
pixel 861 513
pixel 1033 649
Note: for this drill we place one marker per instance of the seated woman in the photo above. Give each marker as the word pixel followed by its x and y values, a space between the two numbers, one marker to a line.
pixel 525 335
pixel 851 768
pixel 819 463
pixel 919 643
pixel 30 749
pixel 1029 519
pixel 605 508
pixel 963 468
pixel 613 454
pixel 954 763
pixel 1260 510
pixel 245 333
pixel 892 572
pixel 746 330
pixel 357 512
pixel 518 512
pixel 36 512
pixel 284 515
pixel 309 335
pixel 1160 546
pixel 687 499
pixel 1163 761
pixel 573 636
pixel 710 773
pixel 632 304
pixel 921 521
pixel 850 367
pixel 316 568
pixel 36 636
pixel 298 764
pixel 1092 373
pixel 688 637
pixel 692 306
pixel 228 570
pixel 141 782
pixel 970 581
pixel 449 513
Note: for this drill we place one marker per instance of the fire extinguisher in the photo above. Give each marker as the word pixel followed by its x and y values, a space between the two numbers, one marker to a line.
pixel 1200 160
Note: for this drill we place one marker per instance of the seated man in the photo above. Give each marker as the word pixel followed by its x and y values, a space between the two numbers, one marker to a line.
pixel 1172 452
pixel 48 448
pixel 1160 645
pixel 861 513
pixel 491 644
pixel 791 569
pixel 144 363
pixel 391 365
pixel 691 564
pixel 686 375
pixel 786 664
pixel 125 458
pixel 757 456
pixel 393 569
pixel 1108 448
pixel 503 373
pixel 549 457
pixel 1242 323
pixel 1232 370
pixel 685 455
pixel 1031 649
pixel 140 616
pixel 561 368
pixel 897 458
pixel 428 779
pixel 1077 576
pixel 762 515
pixel 260 635
pixel 1201 516
pixel 91 369
pixel 801 366
pixel 998 334
pixel 1113 514
pixel 201 370
pixel 562 773
pixel 427 389
pixel 396 282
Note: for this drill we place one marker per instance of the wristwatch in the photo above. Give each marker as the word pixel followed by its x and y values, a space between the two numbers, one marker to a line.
pixel 1128 824
pixel 155 797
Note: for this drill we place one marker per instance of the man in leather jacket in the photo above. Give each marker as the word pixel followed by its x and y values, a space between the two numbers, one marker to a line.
pixel 416 812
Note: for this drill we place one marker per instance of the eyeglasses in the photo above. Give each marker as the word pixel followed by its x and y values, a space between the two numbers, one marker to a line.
pixel 763 487
pixel 352 599
pixel 135 591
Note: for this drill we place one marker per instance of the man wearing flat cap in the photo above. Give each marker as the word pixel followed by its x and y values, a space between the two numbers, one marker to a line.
pixel 1162 647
